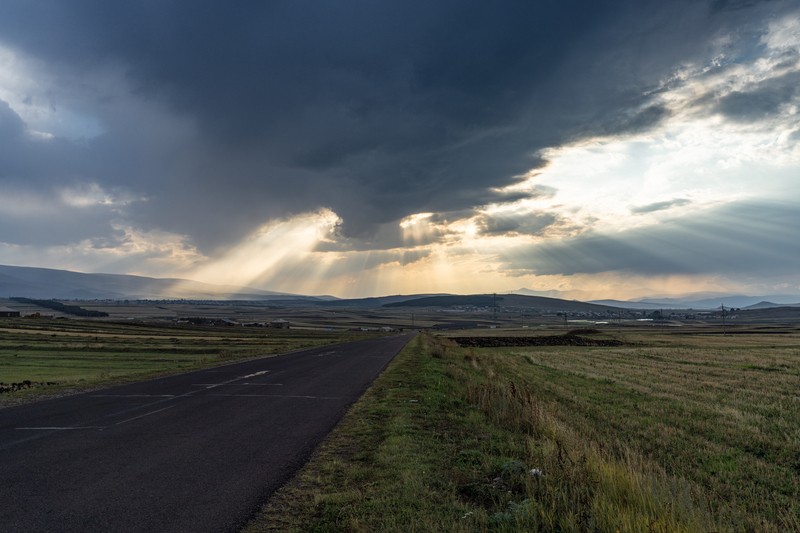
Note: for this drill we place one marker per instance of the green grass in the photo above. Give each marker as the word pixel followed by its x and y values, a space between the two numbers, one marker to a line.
pixel 670 432
pixel 702 408
pixel 73 354
pixel 379 472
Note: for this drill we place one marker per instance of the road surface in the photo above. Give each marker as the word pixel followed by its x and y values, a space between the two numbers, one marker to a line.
pixel 194 452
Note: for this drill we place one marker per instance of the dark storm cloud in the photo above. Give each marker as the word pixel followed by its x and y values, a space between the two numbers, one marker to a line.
pixel 638 121
pixel 36 174
pixel 625 121
pixel 740 238
pixel 385 237
pixel 516 224
pixel 11 126
pixel 659 206
pixel 257 110
pixel 720 5
pixel 763 101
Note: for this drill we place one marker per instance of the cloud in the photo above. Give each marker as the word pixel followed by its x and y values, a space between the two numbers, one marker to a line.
pixel 660 206
pixel 400 257
pixel 226 118
pixel 422 232
pixel 208 141
pixel 125 249
pixel 620 122
pixel 742 238
pixel 58 217
pixel 764 100
pixel 515 223
pixel 11 125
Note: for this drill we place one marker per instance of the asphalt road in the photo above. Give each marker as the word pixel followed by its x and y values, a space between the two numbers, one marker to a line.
pixel 189 453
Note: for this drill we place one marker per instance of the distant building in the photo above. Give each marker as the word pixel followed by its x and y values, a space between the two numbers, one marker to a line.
pixel 279 323
pixel 7 312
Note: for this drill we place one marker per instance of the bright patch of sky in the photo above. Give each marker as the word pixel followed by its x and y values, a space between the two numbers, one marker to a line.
pixel 698 157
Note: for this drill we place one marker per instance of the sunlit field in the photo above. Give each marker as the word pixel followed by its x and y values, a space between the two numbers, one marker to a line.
pixel 687 430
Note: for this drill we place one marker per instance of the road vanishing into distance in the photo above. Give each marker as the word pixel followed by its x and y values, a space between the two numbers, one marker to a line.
pixel 195 452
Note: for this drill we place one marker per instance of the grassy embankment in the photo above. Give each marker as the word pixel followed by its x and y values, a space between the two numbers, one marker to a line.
pixel 56 355
pixel 666 433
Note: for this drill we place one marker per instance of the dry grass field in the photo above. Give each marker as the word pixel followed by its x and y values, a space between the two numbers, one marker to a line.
pixel 674 430
pixel 721 412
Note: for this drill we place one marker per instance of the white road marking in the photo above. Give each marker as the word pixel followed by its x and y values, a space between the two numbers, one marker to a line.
pixel 256 374
pixel 61 428
pixel 162 398
pixel 133 395
pixel 279 396
pixel 214 385
pixel 144 415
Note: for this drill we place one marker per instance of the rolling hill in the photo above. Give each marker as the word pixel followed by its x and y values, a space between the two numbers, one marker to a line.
pixel 517 301
pixel 49 283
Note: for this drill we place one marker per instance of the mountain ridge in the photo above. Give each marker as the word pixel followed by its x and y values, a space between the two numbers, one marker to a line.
pixel 36 282
pixel 698 300
pixel 48 283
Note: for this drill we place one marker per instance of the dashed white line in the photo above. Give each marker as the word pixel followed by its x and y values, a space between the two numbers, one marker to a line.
pixel 133 395
pixel 278 396
pixel 60 428
pixel 144 415
pixel 239 378
pixel 261 373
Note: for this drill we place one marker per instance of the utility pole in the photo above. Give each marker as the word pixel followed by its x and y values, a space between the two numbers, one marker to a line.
pixel 723 318
pixel 494 305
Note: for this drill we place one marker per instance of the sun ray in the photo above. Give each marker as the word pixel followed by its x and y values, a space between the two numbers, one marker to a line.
pixel 274 247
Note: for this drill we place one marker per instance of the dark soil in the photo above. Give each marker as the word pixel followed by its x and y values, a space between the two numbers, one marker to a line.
pixel 553 340
pixel 27 384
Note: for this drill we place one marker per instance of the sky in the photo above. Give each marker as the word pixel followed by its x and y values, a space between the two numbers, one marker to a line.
pixel 604 149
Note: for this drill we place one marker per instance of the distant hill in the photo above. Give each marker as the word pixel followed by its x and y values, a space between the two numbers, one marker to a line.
pixel 783 312
pixel 326 301
pixel 47 283
pixel 377 301
pixel 630 305
pixel 552 293
pixel 474 300
pixel 729 300
pixel 769 305
pixel 538 303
